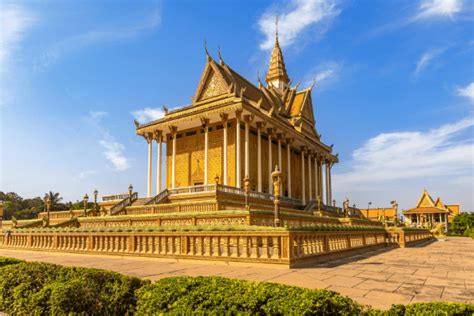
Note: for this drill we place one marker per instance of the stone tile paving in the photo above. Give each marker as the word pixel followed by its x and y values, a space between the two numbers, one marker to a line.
pixel 438 271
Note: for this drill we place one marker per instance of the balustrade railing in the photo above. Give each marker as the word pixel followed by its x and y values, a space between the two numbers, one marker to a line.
pixel 114 197
pixel 285 247
pixel 120 206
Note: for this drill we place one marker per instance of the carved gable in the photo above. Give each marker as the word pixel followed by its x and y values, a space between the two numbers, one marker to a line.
pixel 425 200
pixel 213 86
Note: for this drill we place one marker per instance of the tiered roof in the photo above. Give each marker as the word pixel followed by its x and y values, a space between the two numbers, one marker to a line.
pixel 427 205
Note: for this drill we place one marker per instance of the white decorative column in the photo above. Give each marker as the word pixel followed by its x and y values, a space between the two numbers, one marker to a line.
pixel 328 199
pixel 149 140
pixel 270 183
pixel 288 163
pixel 159 142
pixel 205 126
pixel 247 119
pixel 238 175
pixel 330 182
pixel 259 156
pixel 173 158
pixel 316 179
pixel 320 176
pixel 310 187
pixel 280 166
pixel 303 188
pixel 224 117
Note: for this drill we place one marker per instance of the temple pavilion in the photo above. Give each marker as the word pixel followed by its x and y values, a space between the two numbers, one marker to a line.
pixel 235 131
pixel 430 212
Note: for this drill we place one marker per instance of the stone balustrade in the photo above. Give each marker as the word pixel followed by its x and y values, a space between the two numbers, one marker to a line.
pixel 277 246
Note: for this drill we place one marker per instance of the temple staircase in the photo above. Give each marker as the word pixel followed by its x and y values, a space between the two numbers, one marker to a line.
pixel 120 207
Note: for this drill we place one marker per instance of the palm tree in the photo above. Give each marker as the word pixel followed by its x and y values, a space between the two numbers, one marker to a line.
pixel 54 198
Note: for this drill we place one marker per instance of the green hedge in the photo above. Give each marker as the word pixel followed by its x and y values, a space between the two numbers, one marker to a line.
pixel 216 295
pixel 42 288
pixel 33 288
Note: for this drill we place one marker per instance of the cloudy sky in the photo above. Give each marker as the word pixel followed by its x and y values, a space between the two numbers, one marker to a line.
pixel 394 91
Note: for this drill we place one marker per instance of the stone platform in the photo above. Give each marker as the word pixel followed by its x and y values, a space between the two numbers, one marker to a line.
pixel 436 271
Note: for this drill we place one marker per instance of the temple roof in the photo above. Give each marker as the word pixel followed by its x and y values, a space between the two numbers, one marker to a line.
pixel 426 204
pixel 421 210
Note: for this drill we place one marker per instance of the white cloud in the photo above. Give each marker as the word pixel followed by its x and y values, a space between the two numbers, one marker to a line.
pixel 438 9
pixel 467 91
pixel 324 74
pixel 425 60
pixel 114 153
pixel 14 22
pixel 442 152
pixel 58 49
pixel 295 18
pixel 148 114
pixel 84 174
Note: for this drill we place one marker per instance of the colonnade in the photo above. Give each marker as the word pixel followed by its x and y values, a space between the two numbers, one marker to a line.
pixel 310 160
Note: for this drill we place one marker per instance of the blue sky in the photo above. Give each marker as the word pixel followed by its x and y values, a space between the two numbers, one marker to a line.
pixel 394 91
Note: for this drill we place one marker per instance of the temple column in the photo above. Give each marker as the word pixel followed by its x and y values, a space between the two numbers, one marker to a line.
pixel 248 119
pixel 303 189
pixel 205 126
pixel 270 182
pixel 288 163
pixel 279 159
pixel 159 141
pixel 310 192
pixel 238 175
pixel 259 156
pixel 224 117
pixel 320 179
pixel 316 179
pixel 149 140
pixel 173 158
pixel 330 183
pixel 328 199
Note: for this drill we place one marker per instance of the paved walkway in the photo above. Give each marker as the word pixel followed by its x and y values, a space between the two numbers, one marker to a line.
pixel 439 271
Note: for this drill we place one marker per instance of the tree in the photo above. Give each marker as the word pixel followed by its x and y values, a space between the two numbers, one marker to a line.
pixel 461 223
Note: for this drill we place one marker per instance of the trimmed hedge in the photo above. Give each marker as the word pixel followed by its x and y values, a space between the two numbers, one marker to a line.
pixel 216 295
pixel 41 288
pixel 33 288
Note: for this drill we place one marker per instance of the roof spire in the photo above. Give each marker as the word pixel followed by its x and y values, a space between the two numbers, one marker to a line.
pixel 276 75
pixel 209 58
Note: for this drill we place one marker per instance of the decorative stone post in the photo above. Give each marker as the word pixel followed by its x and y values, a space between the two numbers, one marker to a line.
pixel 95 202
pixel 395 207
pixel 247 192
pixel 276 177
pixel 86 200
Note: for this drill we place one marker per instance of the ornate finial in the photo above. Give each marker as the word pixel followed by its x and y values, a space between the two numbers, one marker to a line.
pixel 221 61
pixel 165 109
pixel 276 28
pixel 136 123
pixel 209 58
pixel 297 84
pixel 259 81
pixel 312 85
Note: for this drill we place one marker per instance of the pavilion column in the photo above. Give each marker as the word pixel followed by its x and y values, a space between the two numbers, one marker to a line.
pixel 173 157
pixel 320 179
pixel 280 167
pixel 205 126
pixel 330 183
pixel 303 188
pixel 328 199
pixel 310 187
pixel 149 140
pixel 159 141
pixel 224 117
pixel 270 182
pixel 259 156
pixel 288 163
pixel 238 175
pixel 316 179
pixel 248 120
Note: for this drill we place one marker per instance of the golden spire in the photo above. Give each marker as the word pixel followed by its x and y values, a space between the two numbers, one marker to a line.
pixel 276 75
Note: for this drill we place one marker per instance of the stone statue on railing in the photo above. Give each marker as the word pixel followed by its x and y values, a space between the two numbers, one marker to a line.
pixel 247 192
pixel 276 177
pixel 45 221
pixel 345 207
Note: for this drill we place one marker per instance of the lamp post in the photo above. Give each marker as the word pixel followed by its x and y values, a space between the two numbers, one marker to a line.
pixel 95 202
pixel 130 192
pixel 276 177
pixel 86 199
pixel 368 205
pixel 48 205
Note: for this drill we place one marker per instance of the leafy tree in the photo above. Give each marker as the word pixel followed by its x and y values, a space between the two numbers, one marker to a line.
pixel 461 223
